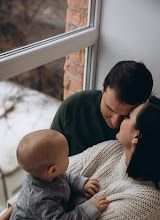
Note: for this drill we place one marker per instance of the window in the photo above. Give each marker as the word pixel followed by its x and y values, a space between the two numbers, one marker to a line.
pixel 41 55
pixel 26 22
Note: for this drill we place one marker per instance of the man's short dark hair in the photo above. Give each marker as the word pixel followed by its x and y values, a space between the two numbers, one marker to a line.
pixel 131 80
pixel 145 161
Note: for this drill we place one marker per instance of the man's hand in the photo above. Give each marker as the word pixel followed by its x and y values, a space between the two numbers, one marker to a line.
pixel 91 187
pixel 101 202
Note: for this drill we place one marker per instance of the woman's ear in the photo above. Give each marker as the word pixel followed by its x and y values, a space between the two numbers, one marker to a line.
pixel 136 138
pixel 52 171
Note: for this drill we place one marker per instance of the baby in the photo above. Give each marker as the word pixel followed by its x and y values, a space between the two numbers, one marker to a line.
pixel 46 185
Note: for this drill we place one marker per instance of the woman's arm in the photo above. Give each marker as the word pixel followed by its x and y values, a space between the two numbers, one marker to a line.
pixel 6 215
pixel 11 203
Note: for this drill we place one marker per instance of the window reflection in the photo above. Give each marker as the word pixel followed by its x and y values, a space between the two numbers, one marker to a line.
pixel 24 22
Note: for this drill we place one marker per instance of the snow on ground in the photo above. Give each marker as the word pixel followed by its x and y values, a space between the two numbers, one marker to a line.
pixel 32 111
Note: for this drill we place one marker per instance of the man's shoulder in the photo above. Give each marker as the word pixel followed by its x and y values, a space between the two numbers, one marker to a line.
pixel 85 93
pixel 84 102
pixel 83 96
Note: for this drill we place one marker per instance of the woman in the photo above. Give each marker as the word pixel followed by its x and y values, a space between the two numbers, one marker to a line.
pixel 128 169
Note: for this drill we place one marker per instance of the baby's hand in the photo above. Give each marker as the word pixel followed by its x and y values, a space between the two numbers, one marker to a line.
pixel 101 202
pixel 91 187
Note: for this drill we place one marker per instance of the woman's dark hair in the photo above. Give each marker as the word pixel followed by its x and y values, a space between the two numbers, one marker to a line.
pixel 131 80
pixel 145 161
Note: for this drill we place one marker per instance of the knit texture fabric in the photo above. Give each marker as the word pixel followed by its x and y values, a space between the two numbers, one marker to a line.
pixel 130 199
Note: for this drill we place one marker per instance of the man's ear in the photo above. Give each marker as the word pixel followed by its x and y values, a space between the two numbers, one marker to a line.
pixel 103 86
pixel 52 171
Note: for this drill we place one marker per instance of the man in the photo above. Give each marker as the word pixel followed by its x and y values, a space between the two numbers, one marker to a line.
pixel 90 117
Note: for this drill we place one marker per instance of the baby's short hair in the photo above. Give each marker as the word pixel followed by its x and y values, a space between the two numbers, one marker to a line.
pixel 37 150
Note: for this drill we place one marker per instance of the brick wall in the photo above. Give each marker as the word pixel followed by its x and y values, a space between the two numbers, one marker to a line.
pixel 76 17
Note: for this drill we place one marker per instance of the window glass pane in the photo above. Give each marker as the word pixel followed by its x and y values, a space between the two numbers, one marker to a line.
pixel 27 21
pixel 47 78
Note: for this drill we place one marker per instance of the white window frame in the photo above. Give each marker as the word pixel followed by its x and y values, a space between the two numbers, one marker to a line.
pixel 28 57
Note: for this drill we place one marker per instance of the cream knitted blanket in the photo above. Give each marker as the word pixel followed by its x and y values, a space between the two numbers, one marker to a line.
pixel 130 199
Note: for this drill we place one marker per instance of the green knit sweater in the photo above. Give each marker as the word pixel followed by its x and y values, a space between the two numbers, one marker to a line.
pixel 79 118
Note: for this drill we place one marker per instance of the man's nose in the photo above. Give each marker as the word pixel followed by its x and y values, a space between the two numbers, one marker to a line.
pixel 116 120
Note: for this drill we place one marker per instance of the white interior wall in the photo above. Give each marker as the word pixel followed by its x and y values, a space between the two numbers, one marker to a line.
pixel 129 30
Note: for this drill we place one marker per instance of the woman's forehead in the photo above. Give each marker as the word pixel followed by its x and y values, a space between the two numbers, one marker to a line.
pixel 137 109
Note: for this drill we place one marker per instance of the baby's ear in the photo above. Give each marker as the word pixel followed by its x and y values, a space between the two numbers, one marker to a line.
pixel 52 171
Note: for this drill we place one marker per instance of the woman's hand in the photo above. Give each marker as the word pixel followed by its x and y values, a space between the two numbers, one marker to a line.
pixel 100 203
pixel 91 187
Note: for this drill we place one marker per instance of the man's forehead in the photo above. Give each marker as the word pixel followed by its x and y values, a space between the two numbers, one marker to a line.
pixel 115 105
pixel 121 109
